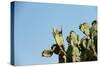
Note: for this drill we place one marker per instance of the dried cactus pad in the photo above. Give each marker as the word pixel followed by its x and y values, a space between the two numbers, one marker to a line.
pixel 47 53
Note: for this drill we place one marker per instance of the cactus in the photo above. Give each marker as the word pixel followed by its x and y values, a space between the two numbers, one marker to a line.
pixel 73 53
pixel 89 42
pixel 85 28
pixel 59 46
pixel 84 49
pixel 47 53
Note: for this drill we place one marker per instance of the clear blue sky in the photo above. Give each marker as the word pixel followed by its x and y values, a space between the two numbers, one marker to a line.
pixel 33 28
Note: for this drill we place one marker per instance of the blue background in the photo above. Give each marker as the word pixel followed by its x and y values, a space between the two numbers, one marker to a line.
pixel 33 23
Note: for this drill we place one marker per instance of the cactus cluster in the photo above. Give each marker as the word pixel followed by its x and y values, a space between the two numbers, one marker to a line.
pixel 79 49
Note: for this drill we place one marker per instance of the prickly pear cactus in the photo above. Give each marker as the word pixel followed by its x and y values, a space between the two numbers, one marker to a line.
pixel 85 28
pixel 47 53
pixel 58 36
pixel 94 34
pixel 73 53
pixel 84 49
pixel 89 42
